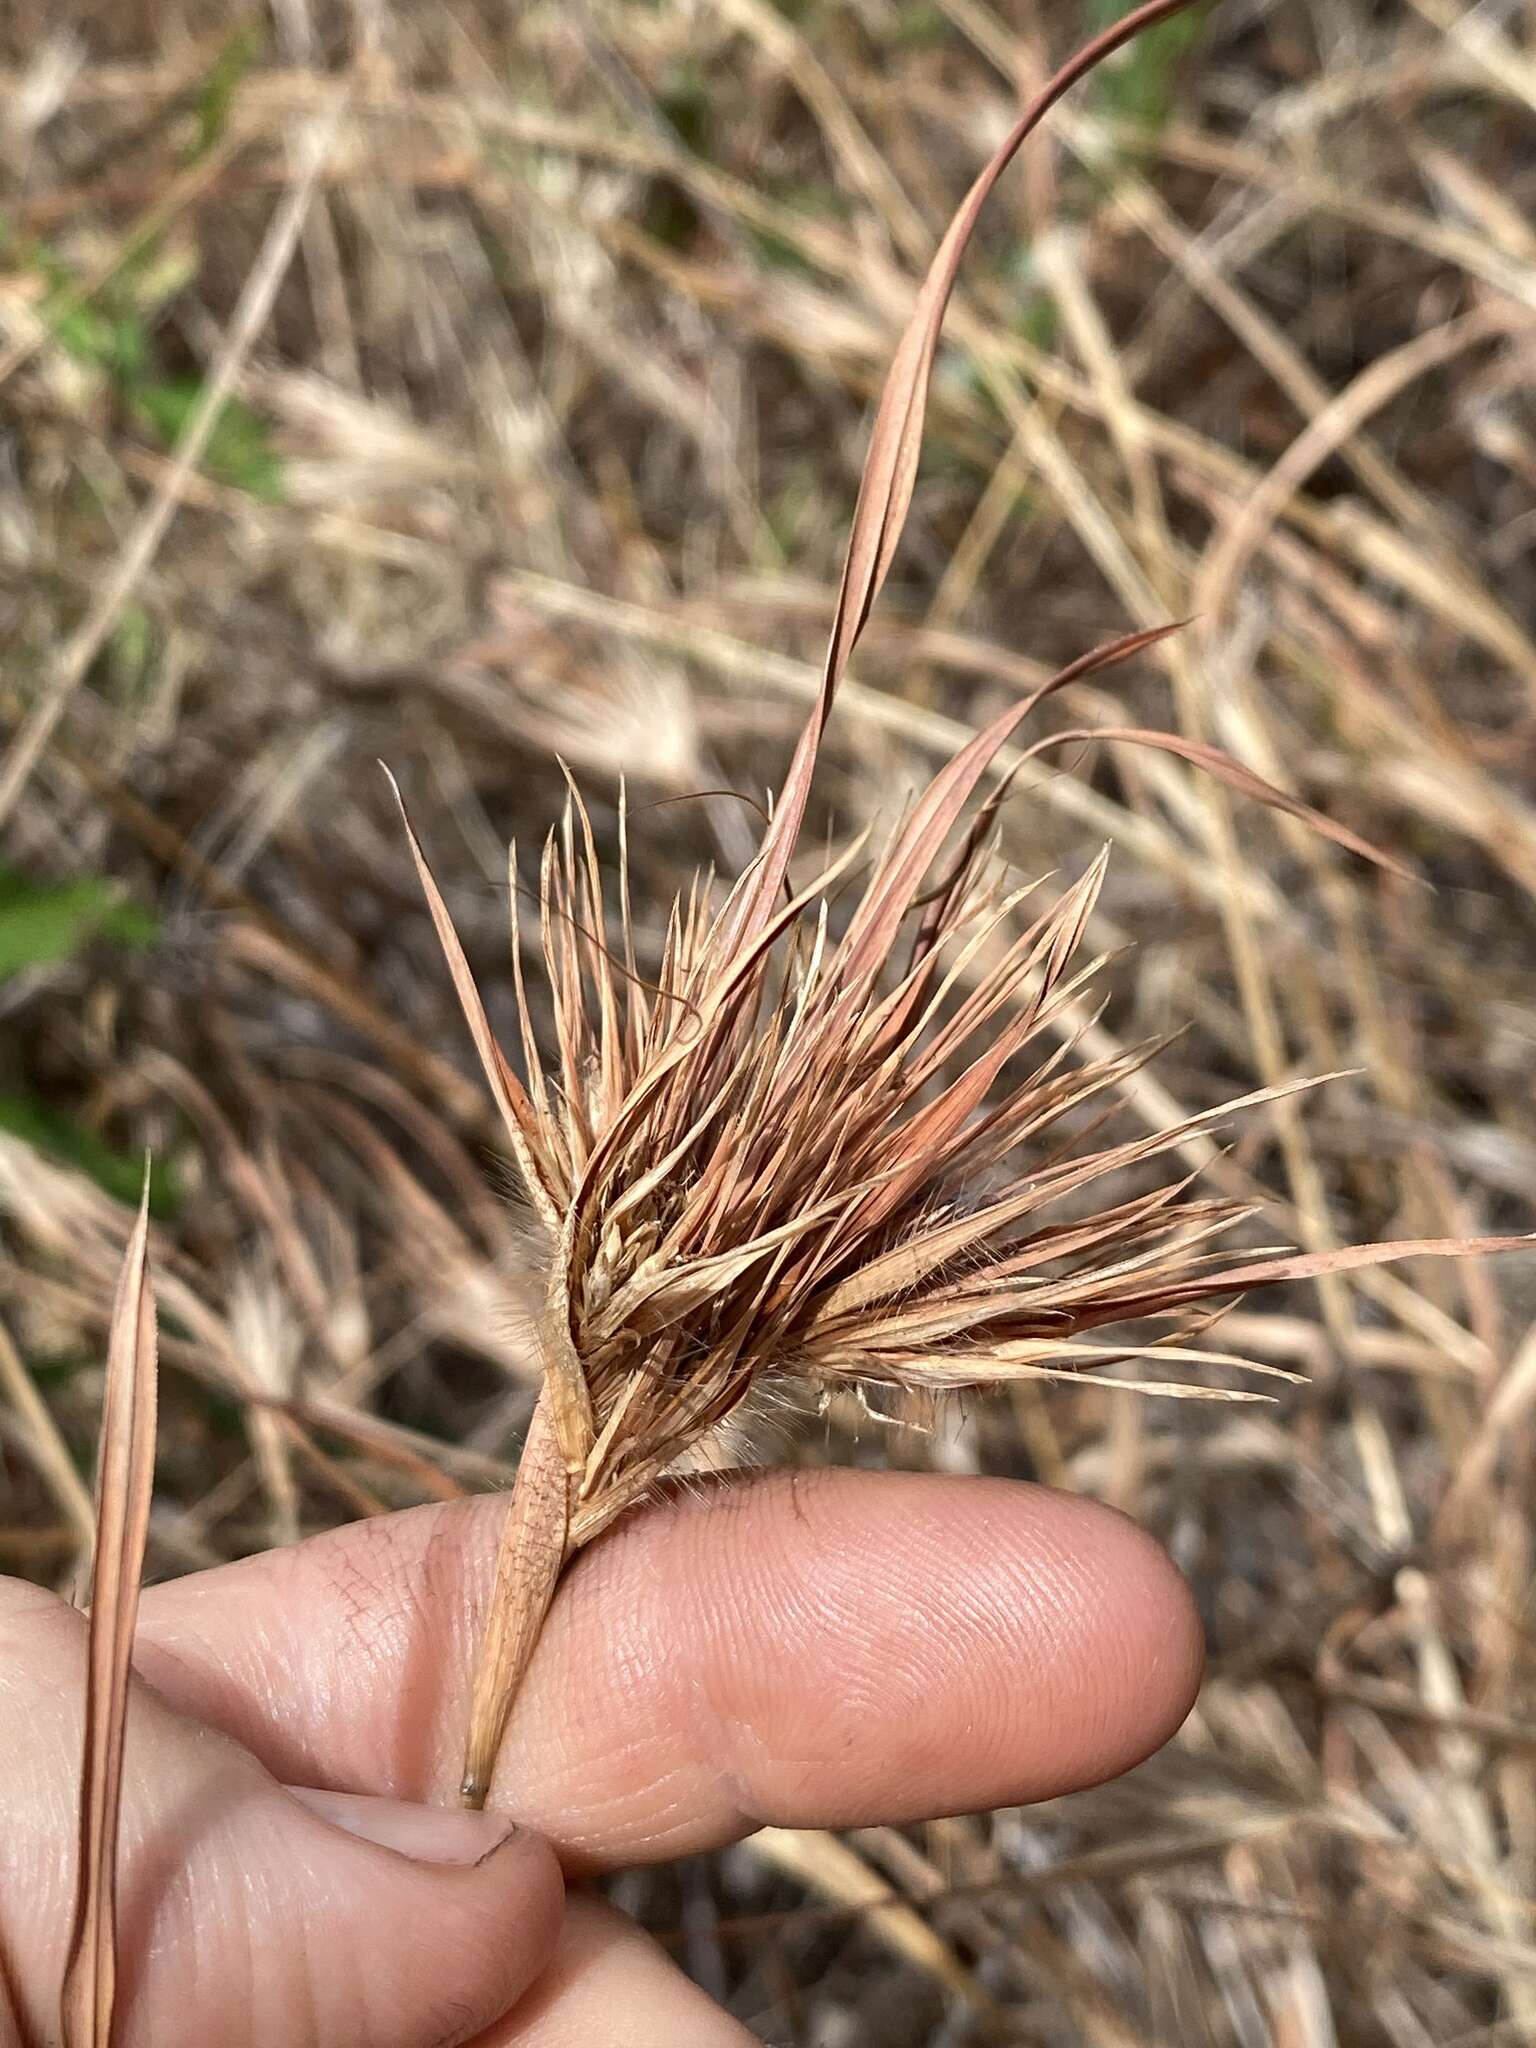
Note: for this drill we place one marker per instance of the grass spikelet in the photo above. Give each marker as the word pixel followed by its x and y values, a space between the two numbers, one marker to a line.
pixel 124 1486
pixel 827 1148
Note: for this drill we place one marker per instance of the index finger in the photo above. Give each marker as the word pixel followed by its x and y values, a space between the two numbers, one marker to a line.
pixel 812 1649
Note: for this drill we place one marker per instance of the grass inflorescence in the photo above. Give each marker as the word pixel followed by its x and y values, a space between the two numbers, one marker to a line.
pixel 816 1148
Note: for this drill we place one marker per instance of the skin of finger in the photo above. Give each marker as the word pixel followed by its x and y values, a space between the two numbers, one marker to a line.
pixel 610 1984
pixel 243 1917
pixel 813 1649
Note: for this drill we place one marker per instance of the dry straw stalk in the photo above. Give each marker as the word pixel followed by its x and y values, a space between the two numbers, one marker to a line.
pixel 823 1149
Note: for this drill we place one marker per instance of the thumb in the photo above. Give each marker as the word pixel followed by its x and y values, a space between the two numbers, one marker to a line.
pixel 250 1913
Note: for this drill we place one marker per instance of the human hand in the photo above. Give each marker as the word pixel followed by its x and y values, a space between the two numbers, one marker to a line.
pixel 828 1649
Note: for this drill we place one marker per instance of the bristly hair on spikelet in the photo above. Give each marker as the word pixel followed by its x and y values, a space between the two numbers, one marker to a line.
pixel 823 1148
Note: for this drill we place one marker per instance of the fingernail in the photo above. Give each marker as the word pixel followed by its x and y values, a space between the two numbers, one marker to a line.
pixel 427 1834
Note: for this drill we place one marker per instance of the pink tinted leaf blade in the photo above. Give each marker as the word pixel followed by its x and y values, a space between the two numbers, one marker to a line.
pixel 1237 776
pixel 125 1484
pixel 1349 1258
pixel 873 928
pixel 890 466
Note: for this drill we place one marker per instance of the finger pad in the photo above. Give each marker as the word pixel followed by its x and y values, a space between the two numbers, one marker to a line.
pixel 831 1649
pixel 807 1648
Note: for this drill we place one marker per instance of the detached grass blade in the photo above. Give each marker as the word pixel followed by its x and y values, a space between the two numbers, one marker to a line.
pixel 126 1470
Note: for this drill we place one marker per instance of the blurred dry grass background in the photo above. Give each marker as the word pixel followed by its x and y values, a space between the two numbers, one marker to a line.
pixel 481 385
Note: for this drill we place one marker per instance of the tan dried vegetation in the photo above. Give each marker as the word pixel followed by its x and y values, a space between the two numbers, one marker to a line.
pixel 846 1121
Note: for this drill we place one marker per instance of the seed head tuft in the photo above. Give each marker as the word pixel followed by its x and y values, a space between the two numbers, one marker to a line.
pixel 828 1147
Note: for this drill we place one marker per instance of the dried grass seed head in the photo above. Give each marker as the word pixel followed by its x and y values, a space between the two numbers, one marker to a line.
pixel 831 1149
pixel 786 1155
